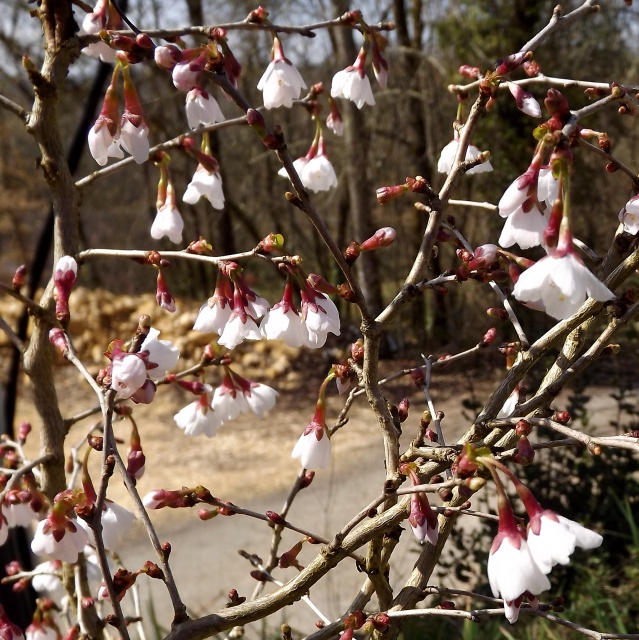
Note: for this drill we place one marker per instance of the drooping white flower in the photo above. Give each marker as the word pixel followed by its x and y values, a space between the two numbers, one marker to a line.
pixel 212 319
pixel 281 83
pixel 284 323
pixel 116 523
pixel 205 184
pixel 559 284
pixel 298 165
pixel 318 174
pixel 202 108
pixel 240 327
pixel 629 216
pixel 67 548
pixel 447 158
pixel 353 84
pixel 526 205
pixel 552 539
pixel 92 24
pixel 313 447
pixel 422 519
pixel 524 228
pixel 238 395
pixel 512 570
pixel 134 139
pixel 321 317
pixel 168 222
pixel 128 374
pixel 103 144
pixel 162 353
pixel 18 514
pixel 199 418
pixel 261 398
pixel 47 579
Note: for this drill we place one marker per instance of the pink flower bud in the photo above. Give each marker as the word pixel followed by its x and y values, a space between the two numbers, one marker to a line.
pixel 556 103
pixel 419 377
pixel 59 341
pixel 470 72
pixel 307 479
pixel 402 409
pixel 381 238
pixel 20 277
pixel 23 431
pixel 489 337
pixel 386 194
pixel 525 100
pixel 513 61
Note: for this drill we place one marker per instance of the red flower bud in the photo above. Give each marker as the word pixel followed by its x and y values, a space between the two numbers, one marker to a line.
pixel 525 453
pixel 489 337
pixel 523 428
pixel 419 377
pixel 563 417
pixel 20 277
pixel 275 518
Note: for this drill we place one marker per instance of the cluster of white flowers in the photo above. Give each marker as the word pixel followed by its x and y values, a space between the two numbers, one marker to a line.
pixel 518 563
pixel 233 397
pixel 235 323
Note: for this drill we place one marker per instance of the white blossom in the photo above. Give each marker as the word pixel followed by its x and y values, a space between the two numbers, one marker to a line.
pixel 280 84
pixel 353 85
pixel 559 284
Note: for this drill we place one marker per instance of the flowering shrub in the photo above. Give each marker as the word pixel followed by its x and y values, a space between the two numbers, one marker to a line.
pixel 73 520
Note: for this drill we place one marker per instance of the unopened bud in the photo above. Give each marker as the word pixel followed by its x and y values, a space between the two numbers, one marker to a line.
pixel 19 277
pixel 525 452
pixel 531 68
pixel 489 337
pixel 352 253
pixel 381 238
pixel 23 431
pixel 357 351
pixel 275 518
pixel 523 428
pixel 418 377
pixel 345 292
pixel 207 514
pixel 316 281
pixel 611 350
pixel 59 341
pixel 95 442
pixel 307 479
pixel 386 194
pixel 469 72
pixel 563 417
pixel 496 312
pixel 448 605
pixel 87 602
pixel 272 242
pixel 402 409
pixel 445 494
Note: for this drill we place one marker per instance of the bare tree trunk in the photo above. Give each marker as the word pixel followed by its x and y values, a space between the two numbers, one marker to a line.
pixel 360 190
